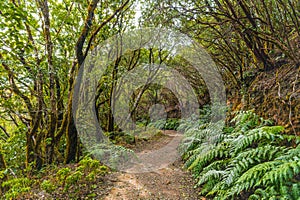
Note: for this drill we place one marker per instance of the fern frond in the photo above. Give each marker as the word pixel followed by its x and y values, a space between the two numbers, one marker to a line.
pixel 291 154
pixel 211 175
pixel 284 172
pixel 196 154
pixel 245 120
pixel 258 135
pixel 192 155
pixel 205 158
pixel 251 177
pixel 245 160
pixel 262 194
pixel 216 165
pixel 187 146
pixel 295 191
pixel 260 154
pixel 282 192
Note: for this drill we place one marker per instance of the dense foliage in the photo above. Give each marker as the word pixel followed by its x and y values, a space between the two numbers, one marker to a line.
pixel 58 182
pixel 252 159
pixel 255 44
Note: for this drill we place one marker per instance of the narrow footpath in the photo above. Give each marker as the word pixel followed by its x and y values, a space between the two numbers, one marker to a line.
pixel 170 182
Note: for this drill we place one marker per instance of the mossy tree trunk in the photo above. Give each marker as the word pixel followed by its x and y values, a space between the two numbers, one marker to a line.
pixel 2 167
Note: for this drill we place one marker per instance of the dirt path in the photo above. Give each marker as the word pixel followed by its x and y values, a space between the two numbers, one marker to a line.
pixel 169 182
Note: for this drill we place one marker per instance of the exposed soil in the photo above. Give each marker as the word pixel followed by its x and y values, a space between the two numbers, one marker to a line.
pixel 169 182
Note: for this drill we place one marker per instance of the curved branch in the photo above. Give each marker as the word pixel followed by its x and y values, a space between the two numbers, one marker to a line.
pixel 16 89
pixel 4 130
pixel 85 31
pixel 102 25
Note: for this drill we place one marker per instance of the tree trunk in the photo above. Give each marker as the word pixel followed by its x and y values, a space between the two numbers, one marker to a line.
pixel 2 167
pixel 2 162
pixel 72 140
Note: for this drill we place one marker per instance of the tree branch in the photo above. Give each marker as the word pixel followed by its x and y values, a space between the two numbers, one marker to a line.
pixel 102 25
pixel 87 25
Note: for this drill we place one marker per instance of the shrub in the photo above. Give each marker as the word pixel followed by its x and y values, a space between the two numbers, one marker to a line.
pixel 16 187
pixel 249 160
pixel 48 186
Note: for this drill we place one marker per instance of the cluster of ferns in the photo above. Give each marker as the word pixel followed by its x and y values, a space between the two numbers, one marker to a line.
pixel 251 159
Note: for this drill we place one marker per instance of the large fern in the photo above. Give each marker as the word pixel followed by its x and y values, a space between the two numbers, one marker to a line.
pixel 252 160
pixel 257 136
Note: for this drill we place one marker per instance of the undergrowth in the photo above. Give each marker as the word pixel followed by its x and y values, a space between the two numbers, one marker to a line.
pixel 169 124
pixel 52 182
pixel 252 159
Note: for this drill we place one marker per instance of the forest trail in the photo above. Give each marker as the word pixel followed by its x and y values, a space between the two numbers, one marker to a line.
pixel 169 183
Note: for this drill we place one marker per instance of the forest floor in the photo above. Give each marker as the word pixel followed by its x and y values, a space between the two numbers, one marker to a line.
pixel 169 182
pixel 164 180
